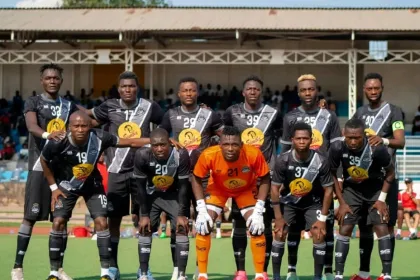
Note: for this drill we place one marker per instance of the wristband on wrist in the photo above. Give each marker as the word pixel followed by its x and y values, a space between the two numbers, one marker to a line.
pixel 53 187
pixel 382 196
pixel 385 141
pixel 322 218
pixel 45 135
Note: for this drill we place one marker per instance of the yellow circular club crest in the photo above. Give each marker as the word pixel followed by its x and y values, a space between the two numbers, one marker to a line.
pixel 358 174
pixel 370 132
pixel 56 125
pixel 82 171
pixel 300 187
pixel 253 136
pixel 317 139
pixel 162 183
pixel 234 183
pixel 129 130
pixel 190 138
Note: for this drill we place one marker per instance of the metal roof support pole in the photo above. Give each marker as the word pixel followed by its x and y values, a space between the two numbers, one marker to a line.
pixel 352 62
pixel 129 59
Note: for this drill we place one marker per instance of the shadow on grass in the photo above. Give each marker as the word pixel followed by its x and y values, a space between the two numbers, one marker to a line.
pixel 215 276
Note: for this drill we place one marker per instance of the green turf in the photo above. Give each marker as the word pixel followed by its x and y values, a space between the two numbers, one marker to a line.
pixel 82 262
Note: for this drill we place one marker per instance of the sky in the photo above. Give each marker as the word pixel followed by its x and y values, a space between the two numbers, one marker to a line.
pixel 242 3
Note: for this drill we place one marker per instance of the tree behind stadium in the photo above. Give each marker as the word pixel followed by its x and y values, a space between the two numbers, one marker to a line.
pixel 113 3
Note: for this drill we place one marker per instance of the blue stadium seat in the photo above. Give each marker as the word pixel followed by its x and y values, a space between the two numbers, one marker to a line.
pixel 6 176
pixel 23 176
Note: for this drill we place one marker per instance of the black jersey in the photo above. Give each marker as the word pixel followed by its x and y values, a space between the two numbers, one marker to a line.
pixel 133 122
pixel 75 166
pixel 260 128
pixel 382 121
pixel 324 123
pixel 363 168
pixel 304 181
pixel 194 129
pixel 162 176
pixel 52 115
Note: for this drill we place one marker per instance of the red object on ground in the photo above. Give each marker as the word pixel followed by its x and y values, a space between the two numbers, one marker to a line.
pixel 80 232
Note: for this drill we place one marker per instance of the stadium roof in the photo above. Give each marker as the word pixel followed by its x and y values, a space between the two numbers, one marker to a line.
pixel 199 21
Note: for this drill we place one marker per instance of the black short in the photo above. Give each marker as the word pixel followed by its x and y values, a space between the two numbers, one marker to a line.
pixel 299 216
pixel 411 213
pixel 37 197
pixel 361 205
pixel 120 187
pixel 95 199
pixel 301 224
pixel 392 201
pixel 166 202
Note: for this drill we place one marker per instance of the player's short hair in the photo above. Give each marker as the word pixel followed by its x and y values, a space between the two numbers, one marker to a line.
pixel 128 75
pixel 51 66
pixel 231 131
pixel 299 126
pixel 373 76
pixel 354 124
pixel 306 77
pixel 159 132
pixel 187 80
pixel 254 79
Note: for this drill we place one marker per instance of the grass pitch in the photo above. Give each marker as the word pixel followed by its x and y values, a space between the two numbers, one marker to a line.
pixel 82 261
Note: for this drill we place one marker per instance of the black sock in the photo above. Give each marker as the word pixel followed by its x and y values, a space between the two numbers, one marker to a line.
pixel 55 245
pixel 104 243
pixel 182 251
pixel 145 246
pixel 268 244
pixel 190 225
pixel 239 243
pixel 173 249
pixel 342 247
pixel 63 250
pixel 318 252
pixel 114 252
pixel 392 239
pixel 293 241
pixel 385 253
pixel 329 252
pixel 365 249
pixel 24 236
pixel 163 228
pixel 277 252
pixel 218 224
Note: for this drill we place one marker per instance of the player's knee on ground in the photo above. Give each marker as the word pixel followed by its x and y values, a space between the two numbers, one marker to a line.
pixel 346 230
pixel 59 224
pixel 101 224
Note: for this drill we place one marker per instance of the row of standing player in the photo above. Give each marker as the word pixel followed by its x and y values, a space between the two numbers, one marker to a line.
pixel 242 112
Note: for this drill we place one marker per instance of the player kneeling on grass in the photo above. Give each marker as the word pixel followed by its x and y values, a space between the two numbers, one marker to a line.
pixel 70 168
pixel 234 170
pixel 163 174
pixel 304 176
pixel 365 187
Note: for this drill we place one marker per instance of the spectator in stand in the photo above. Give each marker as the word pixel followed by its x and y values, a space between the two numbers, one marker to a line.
pixel 8 150
pixel 17 103
pixel 69 96
pixel 416 122
pixel 410 202
pixel 33 93
pixel 104 172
